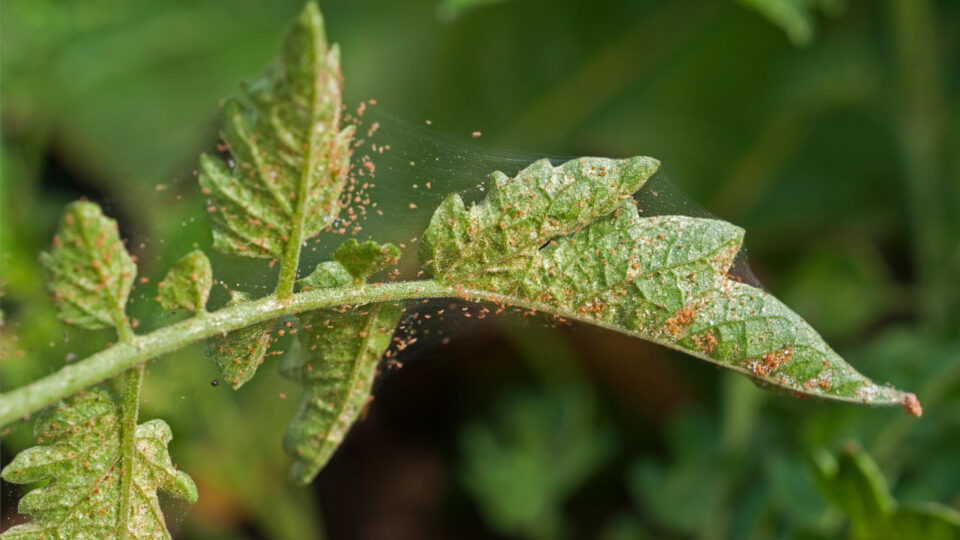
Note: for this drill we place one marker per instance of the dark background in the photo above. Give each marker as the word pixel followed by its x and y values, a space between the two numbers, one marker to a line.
pixel 829 129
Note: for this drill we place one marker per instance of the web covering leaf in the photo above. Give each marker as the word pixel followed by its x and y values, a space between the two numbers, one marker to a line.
pixel 570 241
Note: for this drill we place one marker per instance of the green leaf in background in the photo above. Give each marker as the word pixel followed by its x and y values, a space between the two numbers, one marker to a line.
pixel 91 271
pixel 362 260
pixel 448 10
pixel 795 17
pixel 570 241
pixel 536 450
pixel 336 363
pixel 187 284
pixel 854 483
pixel 686 494
pixel 290 158
pixel 239 353
pixel 82 460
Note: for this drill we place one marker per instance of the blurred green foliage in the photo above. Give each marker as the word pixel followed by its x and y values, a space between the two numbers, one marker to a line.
pixel 839 157
pixel 855 484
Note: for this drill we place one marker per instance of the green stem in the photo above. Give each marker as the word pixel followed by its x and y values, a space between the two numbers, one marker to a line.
pixel 126 354
pixel 128 426
pixel 291 254
pixel 71 379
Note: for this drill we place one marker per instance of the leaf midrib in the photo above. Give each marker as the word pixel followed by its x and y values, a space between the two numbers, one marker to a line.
pixel 291 255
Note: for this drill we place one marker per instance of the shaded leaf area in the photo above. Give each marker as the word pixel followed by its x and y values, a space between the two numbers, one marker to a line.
pixel 81 459
pixel 187 285
pixel 290 159
pixel 335 361
pixel 854 483
pixel 239 353
pixel 91 272
pixel 537 449
pixel 570 240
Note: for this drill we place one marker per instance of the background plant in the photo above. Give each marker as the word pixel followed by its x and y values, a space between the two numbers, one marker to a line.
pixel 885 320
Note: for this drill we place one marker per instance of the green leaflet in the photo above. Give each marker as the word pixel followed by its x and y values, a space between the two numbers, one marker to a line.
pixel 502 232
pixel 91 272
pixel 339 350
pixel 797 18
pixel 362 260
pixel 239 353
pixel 187 284
pixel 290 157
pixel 663 278
pixel 855 484
pixel 81 459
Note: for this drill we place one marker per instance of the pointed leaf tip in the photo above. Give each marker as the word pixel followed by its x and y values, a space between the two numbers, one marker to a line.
pixel 569 240
pixel 335 358
pixel 337 366
pixel 912 405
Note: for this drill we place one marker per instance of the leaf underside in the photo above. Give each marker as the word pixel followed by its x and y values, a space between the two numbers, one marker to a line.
pixel 91 273
pixel 240 353
pixel 339 350
pixel 569 239
pixel 82 460
pixel 290 159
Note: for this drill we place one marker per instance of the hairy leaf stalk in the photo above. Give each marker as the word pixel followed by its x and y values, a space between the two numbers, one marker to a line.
pixel 32 397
